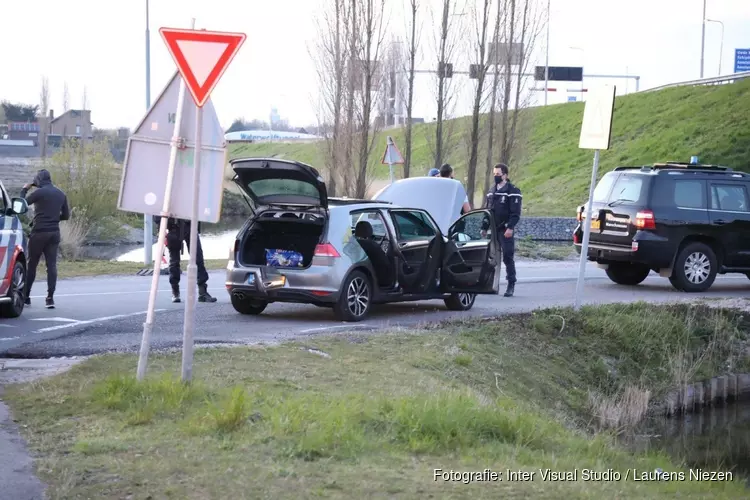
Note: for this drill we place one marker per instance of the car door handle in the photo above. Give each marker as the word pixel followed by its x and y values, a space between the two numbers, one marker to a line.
pixel 721 222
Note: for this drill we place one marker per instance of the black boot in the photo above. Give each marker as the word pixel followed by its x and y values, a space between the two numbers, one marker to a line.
pixel 176 293
pixel 203 295
pixel 511 288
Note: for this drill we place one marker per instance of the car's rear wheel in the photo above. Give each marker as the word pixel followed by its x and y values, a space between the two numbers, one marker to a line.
pixel 627 273
pixel 248 305
pixel 695 268
pixel 14 308
pixel 356 298
pixel 460 301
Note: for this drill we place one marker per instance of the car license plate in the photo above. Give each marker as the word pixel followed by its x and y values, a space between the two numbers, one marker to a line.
pixel 596 224
pixel 251 279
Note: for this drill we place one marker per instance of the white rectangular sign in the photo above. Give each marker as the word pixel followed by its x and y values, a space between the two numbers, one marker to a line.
pixel 144 176
pixel 596 130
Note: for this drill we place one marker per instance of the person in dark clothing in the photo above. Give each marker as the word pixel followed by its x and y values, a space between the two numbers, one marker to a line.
pixel 504 200
pixel 50 207
pixel 178 232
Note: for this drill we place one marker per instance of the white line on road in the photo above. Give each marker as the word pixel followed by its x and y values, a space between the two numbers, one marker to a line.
pixel 7 326
pixel 6 339
pixel 89 294
pixel 59 320
pixel 324 328
pixel 90 321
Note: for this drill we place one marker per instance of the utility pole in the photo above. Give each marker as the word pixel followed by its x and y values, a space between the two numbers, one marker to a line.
pixel 148 228
pixel 546 64
pixel 703 36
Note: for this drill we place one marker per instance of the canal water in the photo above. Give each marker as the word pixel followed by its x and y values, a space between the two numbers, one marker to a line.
pixel 717 438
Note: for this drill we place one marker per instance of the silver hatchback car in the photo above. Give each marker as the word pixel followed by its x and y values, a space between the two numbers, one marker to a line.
pixel 301 246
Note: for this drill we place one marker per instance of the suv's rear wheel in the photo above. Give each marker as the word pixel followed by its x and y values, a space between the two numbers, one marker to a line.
pixel 695 268
pixel 355 299
pixel 627 273
pixel 14 308
pixel 460 301
pixel 247 305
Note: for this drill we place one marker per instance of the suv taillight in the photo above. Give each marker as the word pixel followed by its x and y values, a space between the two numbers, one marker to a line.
pixel 644 219
pixel 326 250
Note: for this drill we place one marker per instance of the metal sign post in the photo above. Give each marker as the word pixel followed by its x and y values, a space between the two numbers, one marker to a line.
pixel 201 66
pixel 596 134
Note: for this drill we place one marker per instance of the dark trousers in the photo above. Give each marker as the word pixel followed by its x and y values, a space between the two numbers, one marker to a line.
pixel 45 244
pixel 174 245
pixel 507 246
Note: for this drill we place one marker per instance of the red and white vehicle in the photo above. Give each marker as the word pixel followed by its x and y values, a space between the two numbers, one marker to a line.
pixel 13 245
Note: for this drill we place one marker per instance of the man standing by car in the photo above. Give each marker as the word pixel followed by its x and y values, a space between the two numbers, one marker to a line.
pixel 447 171
pixel 50 207
pixel 178 232
pixel 504 200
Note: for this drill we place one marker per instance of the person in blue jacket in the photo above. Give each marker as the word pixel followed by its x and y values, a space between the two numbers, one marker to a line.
pixel 505 200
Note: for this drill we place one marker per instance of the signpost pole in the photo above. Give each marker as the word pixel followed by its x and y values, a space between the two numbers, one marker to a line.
pixel 586 234
pixel 149 324
pixel 148 227
pixel 192 269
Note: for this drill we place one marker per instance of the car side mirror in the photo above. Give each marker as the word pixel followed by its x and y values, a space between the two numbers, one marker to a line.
pixel 19 206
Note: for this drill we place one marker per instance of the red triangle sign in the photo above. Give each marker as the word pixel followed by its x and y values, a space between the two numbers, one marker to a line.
pixel 201 57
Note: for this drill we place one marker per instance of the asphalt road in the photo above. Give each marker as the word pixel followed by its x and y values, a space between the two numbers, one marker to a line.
pixel 106 314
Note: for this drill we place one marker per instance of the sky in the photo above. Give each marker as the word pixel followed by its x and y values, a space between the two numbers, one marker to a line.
pixel 100 46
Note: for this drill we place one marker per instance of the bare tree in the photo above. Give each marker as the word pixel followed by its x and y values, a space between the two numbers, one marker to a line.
pixel 499 19
pixel 447 45
pixel 43 115
pixel 415 34
pixel 372 34
pixel 66 97
pixel 482 20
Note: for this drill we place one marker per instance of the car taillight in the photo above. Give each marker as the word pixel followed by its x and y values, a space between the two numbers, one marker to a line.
pixel 326 250
pixel 644 219
pixel 575 238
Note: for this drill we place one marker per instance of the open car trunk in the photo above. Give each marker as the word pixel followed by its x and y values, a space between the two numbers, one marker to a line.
pixel 285 240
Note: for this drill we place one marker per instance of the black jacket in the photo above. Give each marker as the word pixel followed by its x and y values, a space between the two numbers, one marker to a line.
pixel 179 226
pixel 505 205
pixel 50 204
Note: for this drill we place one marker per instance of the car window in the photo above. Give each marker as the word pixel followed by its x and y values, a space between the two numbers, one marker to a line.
pixel 602 188
pixel 728 197
pixel 375 220
pixel 682 193
pixel 412 225
pixel 283 187
pixel 627 189
pixel 471 227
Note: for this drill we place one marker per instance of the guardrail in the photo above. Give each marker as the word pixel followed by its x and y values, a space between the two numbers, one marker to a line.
pixel 716 80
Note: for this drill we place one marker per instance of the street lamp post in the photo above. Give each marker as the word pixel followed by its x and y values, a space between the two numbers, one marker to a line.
pixel 148 229
pixel 546 63
pixel 721 45
pixel 703 36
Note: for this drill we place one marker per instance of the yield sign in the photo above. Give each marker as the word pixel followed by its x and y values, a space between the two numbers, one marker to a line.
pixel 201 57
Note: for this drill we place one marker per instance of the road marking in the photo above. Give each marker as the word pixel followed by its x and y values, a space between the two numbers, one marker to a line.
pixel 89 294
pixel 90 321
pixel 324 328
pixel 8 326
pixel 59 320
pixel 7 339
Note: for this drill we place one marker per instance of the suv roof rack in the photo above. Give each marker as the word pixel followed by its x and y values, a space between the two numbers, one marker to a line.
pixel 354 201
pixel 673 165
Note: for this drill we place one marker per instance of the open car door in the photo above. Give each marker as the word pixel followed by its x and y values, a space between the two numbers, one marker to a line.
pixel 470 261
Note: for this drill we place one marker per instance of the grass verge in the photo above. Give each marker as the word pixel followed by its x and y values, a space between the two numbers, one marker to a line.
pixel 712 122
pixel 379 414
pixel 100 267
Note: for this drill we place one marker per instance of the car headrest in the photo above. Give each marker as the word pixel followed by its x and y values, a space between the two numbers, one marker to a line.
pixel 363 229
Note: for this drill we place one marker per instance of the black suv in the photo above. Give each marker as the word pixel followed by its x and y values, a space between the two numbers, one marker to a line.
pixel 686 222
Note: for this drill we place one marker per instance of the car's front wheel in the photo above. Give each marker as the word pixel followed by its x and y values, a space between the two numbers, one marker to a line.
pixel 14 308
pixel 627 273
pixel 248 305
pixel 460 301
pixel 356 298
pixel 695 268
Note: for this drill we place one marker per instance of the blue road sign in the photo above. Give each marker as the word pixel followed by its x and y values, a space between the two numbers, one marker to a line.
pixel 741 60
pixel 571 98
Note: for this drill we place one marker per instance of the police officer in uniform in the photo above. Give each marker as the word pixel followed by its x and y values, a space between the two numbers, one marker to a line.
pixel 504 200
pixel 178 233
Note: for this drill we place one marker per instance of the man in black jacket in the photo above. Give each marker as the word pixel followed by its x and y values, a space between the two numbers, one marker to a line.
pixel 178 232
pixel 504 200
pixel 50 207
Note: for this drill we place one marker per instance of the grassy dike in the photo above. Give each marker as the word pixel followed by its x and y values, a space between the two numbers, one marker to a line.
pixel 357 415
